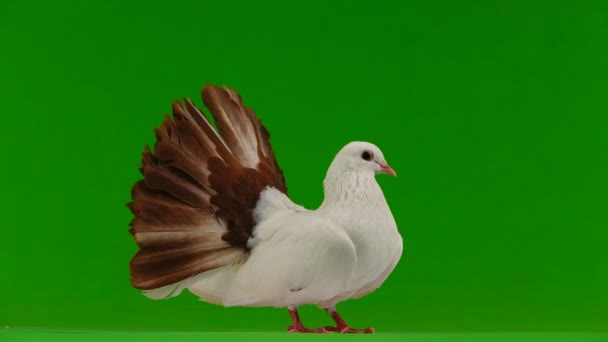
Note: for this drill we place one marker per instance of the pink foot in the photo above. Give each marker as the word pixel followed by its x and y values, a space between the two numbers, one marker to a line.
pixel 298 327
pixel 343 328
pixel 304 330
pixel 349 330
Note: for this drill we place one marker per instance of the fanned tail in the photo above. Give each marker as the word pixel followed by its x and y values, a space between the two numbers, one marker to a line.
pixel 194 206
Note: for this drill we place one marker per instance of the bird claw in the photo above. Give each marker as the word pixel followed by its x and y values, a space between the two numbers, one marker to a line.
pixel 301 329
pixel 330 329
pixel 349 330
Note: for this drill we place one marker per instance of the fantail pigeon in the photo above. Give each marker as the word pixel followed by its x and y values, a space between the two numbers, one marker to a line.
pixel 212 215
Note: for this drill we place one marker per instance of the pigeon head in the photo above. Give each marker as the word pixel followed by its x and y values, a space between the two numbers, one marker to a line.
pixel 361 157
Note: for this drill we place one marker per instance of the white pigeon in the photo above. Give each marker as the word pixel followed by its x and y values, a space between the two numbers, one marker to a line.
pixel 212 215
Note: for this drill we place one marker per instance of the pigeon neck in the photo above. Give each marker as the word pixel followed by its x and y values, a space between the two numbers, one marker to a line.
pixel 351 189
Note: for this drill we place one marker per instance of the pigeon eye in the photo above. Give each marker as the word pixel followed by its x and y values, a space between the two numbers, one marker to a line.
pixel 367 155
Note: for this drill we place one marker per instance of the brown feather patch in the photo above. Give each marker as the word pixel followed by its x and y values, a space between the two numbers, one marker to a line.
pixel 193 208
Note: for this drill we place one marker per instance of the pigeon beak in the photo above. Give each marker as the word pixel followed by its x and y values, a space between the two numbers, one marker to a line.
pixel 384 168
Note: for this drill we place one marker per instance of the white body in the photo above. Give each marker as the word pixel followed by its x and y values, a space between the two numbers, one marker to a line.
pixel 345 249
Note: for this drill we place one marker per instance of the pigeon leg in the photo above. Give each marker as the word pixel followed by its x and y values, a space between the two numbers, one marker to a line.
pixel 342 327
pixel 297 326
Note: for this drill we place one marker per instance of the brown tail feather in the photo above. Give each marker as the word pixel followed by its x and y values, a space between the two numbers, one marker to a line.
pixel 193 208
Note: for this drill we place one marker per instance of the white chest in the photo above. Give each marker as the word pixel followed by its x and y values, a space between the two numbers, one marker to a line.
pixel 377 243
pixel 357 204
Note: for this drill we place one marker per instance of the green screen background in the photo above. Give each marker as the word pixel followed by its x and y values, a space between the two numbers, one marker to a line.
pixel 494 115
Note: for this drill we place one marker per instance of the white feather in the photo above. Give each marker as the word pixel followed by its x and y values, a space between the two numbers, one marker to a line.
pixel 344 249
